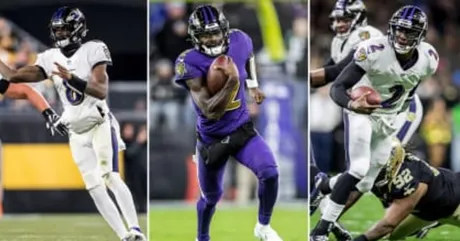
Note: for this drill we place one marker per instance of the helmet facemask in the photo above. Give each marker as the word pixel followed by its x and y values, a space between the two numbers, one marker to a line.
pixel 68 29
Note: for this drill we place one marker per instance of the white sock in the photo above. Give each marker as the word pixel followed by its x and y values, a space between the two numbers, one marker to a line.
pixel 124 199
pixel 333 181
pixel 108 210
pixel 332 211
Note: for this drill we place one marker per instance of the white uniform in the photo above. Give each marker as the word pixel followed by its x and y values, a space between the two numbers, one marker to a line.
pixel 408 121
pixel 94 133
pixel 368 137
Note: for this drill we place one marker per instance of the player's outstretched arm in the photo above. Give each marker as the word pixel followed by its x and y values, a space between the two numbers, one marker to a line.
pixel 22 91
pixel 24 74
pixel 212 107
pixel 327 74
pixel 395 214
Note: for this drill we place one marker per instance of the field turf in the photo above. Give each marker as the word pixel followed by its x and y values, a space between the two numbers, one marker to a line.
pixel 229 223
pixel 65 227
pixel 369 210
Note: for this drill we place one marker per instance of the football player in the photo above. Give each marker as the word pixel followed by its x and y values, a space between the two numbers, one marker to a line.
pixel 409 187
pixel 350 24
pixel 23 91
pixel 224 127
pixel 78 71
pixel 394 65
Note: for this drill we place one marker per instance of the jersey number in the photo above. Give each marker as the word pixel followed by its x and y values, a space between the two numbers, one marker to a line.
pixel 234 104
pixel 402 179
pixel 398 91
pixel 74 98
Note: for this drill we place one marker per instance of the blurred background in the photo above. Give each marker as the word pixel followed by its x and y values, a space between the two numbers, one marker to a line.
pixel 281 55
pixel 438 137
pixel 38 173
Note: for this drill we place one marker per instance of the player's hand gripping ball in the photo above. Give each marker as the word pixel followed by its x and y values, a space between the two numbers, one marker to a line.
pixel 372 96
pixel 220 70
pixel 364 100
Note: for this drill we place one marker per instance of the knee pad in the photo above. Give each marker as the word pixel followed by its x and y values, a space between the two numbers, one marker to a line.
pixel 360 169
pixel 268 174
pixel 92 180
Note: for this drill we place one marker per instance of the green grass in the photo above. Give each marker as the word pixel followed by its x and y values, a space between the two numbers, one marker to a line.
pixel 68 227
pixel 369 210
pixel 229 224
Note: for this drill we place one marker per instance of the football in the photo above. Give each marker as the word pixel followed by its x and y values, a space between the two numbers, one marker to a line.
pixel 373 98
pixel 216 78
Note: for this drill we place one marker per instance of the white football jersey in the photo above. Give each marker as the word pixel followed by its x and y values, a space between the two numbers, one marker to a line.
pixel 385 75
pixel 341 47
pixel 81 111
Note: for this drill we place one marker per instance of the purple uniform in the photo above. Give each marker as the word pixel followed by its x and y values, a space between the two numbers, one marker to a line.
pixel 192 64
pixel 255 154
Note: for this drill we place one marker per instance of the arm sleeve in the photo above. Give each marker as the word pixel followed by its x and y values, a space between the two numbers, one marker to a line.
pixel 329 62
pixel 347 79
pixel 331 72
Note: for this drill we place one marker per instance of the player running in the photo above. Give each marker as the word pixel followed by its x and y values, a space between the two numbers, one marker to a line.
pixel 78 71
pixel 350 24
pixel 224 127
pixel 394 65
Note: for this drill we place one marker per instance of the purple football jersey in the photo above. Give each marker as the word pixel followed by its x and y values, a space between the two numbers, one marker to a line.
pixel 192 64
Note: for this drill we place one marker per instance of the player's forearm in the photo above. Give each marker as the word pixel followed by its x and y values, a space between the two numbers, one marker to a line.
pixel 347 79
pixel 380 230
pixel 27 74
pixel 219 101
pixel 22 91
pixel 6 71
pixel 317 78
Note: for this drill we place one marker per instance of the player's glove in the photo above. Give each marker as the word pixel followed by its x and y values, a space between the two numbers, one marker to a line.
pixel 53 123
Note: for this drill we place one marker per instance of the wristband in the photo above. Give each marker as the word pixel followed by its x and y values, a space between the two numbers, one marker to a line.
pixel 252 83
pixel 78 84
pixel 4 84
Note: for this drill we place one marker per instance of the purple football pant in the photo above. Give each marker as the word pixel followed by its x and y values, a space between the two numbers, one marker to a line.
pixel 255 155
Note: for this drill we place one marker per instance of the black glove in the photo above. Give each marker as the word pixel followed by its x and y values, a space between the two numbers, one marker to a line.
pixel 53 123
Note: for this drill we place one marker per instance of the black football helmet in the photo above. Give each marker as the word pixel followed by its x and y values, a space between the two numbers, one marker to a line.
pixel 407 28
pixel 209 30
pixel 352 11
pixel 67 26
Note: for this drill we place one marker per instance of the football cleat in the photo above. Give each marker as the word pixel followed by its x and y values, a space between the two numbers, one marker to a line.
pixel 135 234
pixel 266 233
pixel 319 238
pixel 316 196
pixel 340 233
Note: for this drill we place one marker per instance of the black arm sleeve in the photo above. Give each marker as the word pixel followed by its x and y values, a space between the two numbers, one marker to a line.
pixel 329 62
pixel 347 78
pixel 331 72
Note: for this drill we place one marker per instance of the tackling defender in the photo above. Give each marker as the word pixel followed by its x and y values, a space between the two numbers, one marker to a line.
pixel 406 60
pixel 224 127
pixel 78 71
pixel 415 194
